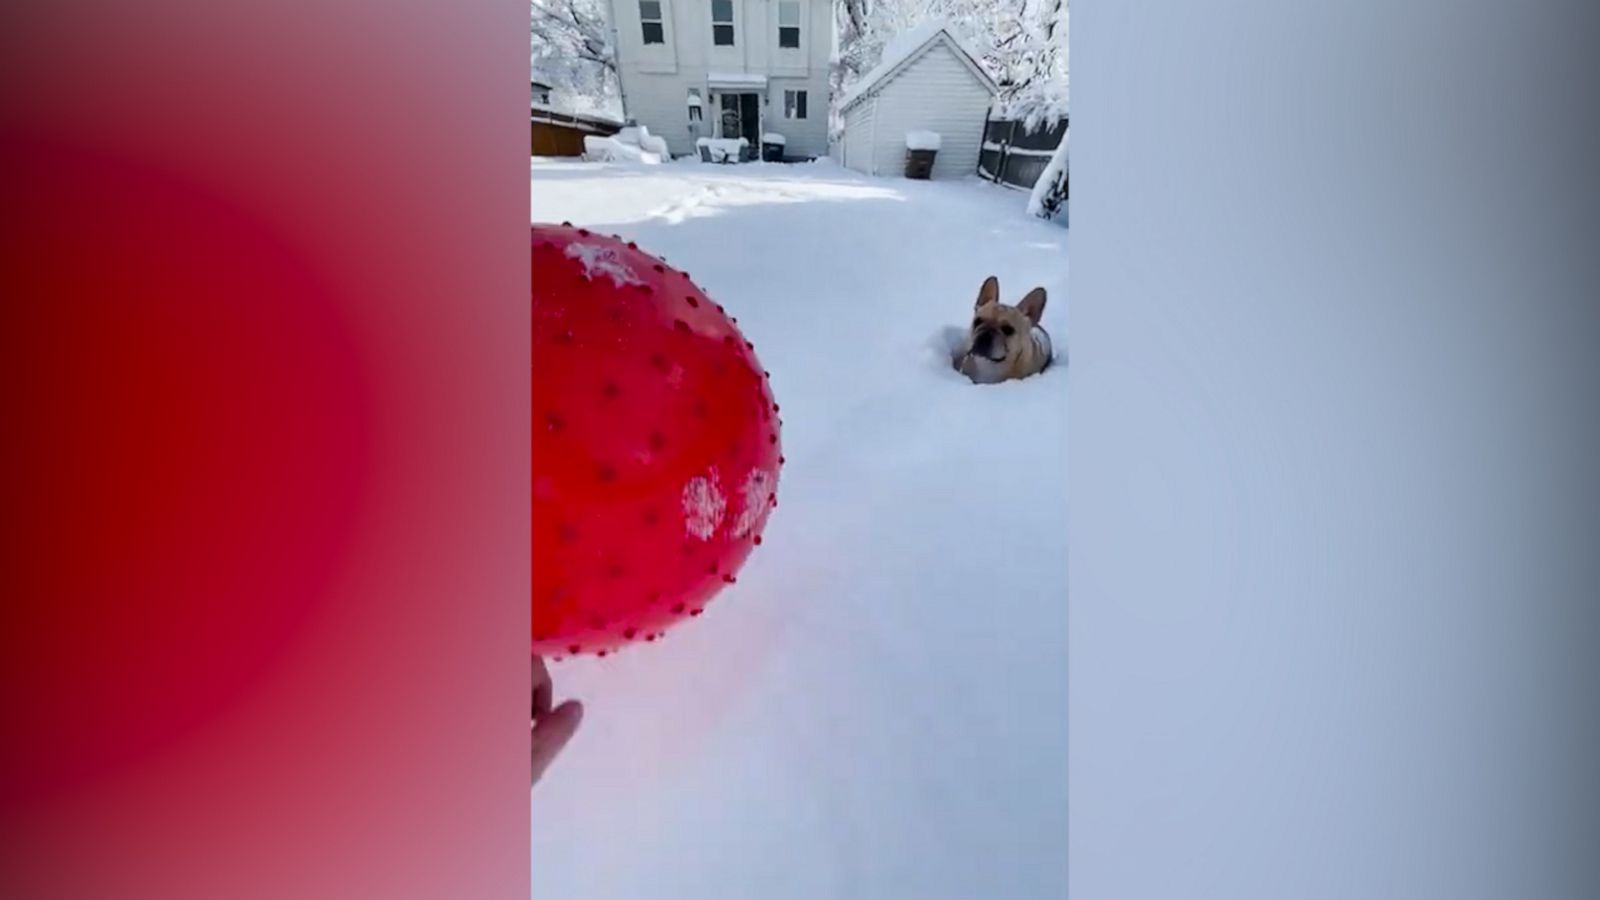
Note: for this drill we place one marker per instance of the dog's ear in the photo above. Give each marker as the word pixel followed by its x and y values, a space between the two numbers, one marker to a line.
pixel 989 293
pixel 1032 305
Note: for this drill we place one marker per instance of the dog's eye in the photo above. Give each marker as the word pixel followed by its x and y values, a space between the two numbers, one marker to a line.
pixel 976 322
pixel 1008 330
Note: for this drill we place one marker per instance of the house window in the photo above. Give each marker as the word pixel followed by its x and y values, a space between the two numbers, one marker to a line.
pixel 794 104
pixel 650 20
pixel 722 23
pixel 789 23
pixel 694 105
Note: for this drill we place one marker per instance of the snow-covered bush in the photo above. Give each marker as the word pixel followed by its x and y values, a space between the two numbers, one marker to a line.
pixel 1049 197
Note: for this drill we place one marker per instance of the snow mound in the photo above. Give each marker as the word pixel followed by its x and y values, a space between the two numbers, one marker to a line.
pixel 772 137
pixel 922 140
pixel 654 144
pixel 640 136
pixel 609 149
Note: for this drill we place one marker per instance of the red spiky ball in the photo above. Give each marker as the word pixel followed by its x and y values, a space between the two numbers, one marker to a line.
pixel 655 444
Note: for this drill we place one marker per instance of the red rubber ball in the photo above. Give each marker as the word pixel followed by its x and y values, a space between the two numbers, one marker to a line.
pixel 655 445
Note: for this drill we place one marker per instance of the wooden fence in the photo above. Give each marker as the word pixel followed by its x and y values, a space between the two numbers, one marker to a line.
pixel 560 134
pixel 1012 156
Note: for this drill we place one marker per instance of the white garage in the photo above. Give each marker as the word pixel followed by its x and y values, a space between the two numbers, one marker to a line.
pixel 926 82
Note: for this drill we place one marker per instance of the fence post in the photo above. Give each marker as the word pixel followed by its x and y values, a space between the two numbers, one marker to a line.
pixel 1005 154
pixel 988 121
pixel 981 142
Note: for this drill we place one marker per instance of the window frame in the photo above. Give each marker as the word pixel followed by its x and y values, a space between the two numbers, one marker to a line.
pixel 660 22
pixel 796 105
pixel 719 27
pixel 795 28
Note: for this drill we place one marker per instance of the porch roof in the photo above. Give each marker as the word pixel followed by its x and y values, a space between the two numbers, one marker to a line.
pixel 735 80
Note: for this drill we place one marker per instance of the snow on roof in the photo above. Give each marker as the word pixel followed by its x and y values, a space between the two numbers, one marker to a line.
pixel 547 112
pixel 906 46
pixel 735 79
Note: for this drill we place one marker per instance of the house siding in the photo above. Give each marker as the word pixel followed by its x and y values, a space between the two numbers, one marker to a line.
pixel 656 79
pixel 935 92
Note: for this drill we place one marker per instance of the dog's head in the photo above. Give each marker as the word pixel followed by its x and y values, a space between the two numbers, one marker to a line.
pixel 1000 343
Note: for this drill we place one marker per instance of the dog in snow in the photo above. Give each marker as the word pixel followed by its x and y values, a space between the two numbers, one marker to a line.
pixel 1004 342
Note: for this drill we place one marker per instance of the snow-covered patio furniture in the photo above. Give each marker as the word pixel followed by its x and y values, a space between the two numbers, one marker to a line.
pixel 640 136
pixel 723 150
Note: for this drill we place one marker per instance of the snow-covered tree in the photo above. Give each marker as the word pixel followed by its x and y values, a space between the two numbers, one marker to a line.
pixel 1038 91
pixel 573 52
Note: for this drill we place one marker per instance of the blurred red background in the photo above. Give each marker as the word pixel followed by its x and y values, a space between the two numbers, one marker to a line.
pixel 264 334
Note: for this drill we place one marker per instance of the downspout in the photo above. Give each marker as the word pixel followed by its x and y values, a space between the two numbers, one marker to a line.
pixel 616 62
pixel 873 140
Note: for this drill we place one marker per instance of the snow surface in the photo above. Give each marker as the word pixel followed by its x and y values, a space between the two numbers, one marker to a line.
pixel 902 47
pixel 922 140
pixel 772 137
pixel 878 708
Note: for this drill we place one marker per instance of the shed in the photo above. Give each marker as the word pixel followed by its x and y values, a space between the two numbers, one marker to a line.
pixel 927 81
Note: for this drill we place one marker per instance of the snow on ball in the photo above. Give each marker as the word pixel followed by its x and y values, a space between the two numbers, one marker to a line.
pixel 655 445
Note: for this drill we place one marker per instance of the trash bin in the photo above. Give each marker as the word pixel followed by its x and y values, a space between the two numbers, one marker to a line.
pixel 919 163
pixel 921 148
pixel 772 145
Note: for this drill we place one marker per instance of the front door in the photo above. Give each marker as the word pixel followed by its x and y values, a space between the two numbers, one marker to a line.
pixel 741 117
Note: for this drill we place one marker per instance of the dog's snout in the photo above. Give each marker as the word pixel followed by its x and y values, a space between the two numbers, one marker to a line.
pixel 982 341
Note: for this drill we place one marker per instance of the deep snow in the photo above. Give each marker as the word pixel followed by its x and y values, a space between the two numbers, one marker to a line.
pixel 878 708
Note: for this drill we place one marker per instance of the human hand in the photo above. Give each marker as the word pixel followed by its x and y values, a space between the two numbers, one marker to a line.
pixel 552 728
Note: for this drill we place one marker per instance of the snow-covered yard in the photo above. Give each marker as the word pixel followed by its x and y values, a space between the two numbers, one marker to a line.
pixel 878 709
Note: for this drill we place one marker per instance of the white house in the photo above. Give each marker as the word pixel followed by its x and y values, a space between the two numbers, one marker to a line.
pixel 726 68
pixel 926 81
